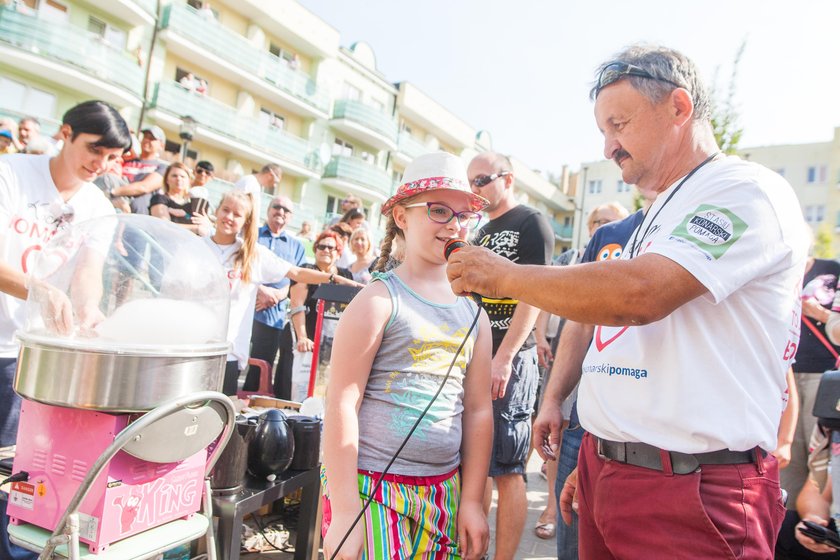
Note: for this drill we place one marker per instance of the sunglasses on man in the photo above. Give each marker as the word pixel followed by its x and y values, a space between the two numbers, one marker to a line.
pixel 614 71
pixel 281 208
pixel 483 180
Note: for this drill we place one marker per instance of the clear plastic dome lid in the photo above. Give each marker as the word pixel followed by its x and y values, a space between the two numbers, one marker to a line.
pixel 128 283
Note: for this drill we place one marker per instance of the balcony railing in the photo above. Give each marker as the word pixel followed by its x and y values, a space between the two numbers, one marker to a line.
pixel 367 116
pixel 147 5
pixel 360 172
pixel 236 49
pixel 411 146
pixel 71 46
pixel 561 231
pixel 223 119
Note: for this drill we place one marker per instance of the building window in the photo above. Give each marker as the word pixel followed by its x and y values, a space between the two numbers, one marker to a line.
pixel 812 174
pixel 109 34
pixel 342 148
pixel 378 105
pixel 823 173
pixel 815 214
pixel 270 118
pixel 368 157
pixel 352 92
pixel 26 99
pixel 622 187
pixel 595 186
pixel 286 56
pixel 191 82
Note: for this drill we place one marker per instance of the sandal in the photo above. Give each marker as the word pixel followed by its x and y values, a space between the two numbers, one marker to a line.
pixel 545 530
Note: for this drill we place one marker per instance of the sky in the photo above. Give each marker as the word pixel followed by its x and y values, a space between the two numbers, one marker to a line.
pixel 522 69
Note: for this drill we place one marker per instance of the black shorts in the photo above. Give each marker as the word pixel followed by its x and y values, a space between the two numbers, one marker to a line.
pixel 512 416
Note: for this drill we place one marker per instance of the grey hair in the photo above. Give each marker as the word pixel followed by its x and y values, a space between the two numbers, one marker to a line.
pixel 665 64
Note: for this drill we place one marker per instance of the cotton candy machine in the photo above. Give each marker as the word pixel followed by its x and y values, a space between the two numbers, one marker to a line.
pixel 123 314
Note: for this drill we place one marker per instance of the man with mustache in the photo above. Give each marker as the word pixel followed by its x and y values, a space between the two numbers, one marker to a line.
pixel 684 385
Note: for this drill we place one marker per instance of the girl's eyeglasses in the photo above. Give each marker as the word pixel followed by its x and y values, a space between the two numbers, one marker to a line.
pixel 442 214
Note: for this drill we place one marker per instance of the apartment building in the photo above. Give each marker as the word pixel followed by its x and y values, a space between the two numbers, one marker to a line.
pixel 814 172
pixel 242 83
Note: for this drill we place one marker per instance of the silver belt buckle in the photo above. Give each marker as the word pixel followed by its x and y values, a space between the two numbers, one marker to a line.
pixel 599 448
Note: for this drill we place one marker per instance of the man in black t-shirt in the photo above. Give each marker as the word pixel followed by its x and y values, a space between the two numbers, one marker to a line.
pixel 522 235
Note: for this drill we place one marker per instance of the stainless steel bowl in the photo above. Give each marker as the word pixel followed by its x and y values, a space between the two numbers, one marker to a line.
pixel 68 373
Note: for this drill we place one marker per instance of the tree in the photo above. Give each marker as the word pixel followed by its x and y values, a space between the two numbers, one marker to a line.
pixel 725 117
pixel 823 242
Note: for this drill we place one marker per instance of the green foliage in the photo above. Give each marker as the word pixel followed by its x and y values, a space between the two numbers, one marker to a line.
pixel 823 242
pixel 725 117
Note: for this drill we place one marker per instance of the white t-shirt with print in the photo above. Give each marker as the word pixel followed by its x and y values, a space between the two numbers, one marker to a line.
pixel 711 375
pixel 266 268
pixel 32 211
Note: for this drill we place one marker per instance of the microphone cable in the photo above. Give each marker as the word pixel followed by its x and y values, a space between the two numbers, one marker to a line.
pixel 407 437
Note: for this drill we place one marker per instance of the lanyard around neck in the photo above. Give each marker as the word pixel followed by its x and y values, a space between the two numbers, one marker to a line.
pixel 635 248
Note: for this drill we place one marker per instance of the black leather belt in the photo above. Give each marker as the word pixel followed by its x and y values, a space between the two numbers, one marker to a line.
pixel 649 457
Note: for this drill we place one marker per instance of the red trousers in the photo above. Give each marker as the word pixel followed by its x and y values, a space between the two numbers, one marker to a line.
pixel 632 513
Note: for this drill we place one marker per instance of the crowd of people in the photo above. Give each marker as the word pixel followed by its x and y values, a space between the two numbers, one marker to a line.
pixel 666 375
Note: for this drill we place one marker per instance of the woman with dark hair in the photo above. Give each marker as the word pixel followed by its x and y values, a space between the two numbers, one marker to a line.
pixel 100 119
pixel 174 205
pixel 41 196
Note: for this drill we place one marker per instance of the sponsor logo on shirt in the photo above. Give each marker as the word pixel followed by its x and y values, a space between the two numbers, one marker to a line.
pixel 610 370
pixel 711 228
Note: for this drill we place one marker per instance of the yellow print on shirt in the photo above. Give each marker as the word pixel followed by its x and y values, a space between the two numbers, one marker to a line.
pixel 431 353
pixel 434 350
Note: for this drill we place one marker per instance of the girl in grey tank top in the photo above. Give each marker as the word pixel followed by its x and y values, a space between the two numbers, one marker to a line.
pixel 392 349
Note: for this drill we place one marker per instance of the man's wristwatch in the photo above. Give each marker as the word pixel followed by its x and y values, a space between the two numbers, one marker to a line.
pixel 332 278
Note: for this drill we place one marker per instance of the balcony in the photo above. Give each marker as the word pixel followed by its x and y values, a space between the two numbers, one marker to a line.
pixel 208 43
pixel 350 174
pixel 561 232
pixel 366 123
pixel 70 56
pixel 221 125
pixel 408 148
pixel 133 12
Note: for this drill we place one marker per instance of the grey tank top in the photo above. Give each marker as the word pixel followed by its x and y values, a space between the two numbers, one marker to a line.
pixel 418 345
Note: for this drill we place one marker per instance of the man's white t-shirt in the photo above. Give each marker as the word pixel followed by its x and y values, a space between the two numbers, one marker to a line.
pixel 250 185
pixel 32 211
pixel 266 268
pixel 711 375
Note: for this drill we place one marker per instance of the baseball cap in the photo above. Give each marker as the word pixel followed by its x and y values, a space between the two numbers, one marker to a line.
pixel 7 134
pixel 155 131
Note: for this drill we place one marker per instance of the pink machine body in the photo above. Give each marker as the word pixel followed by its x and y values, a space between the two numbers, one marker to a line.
pixel 57 446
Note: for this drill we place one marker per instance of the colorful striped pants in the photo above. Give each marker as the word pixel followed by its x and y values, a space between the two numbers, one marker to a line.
pixel 410 517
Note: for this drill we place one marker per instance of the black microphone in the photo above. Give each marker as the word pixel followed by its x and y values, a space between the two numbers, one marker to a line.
pixel 452 246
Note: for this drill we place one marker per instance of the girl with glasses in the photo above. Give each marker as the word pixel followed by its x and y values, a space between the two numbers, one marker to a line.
pixel 247 265
pixel 392 351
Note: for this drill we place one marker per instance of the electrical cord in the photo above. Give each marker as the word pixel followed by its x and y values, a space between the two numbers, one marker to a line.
pixel 262 532
pixel 407 437
pixel 22 476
